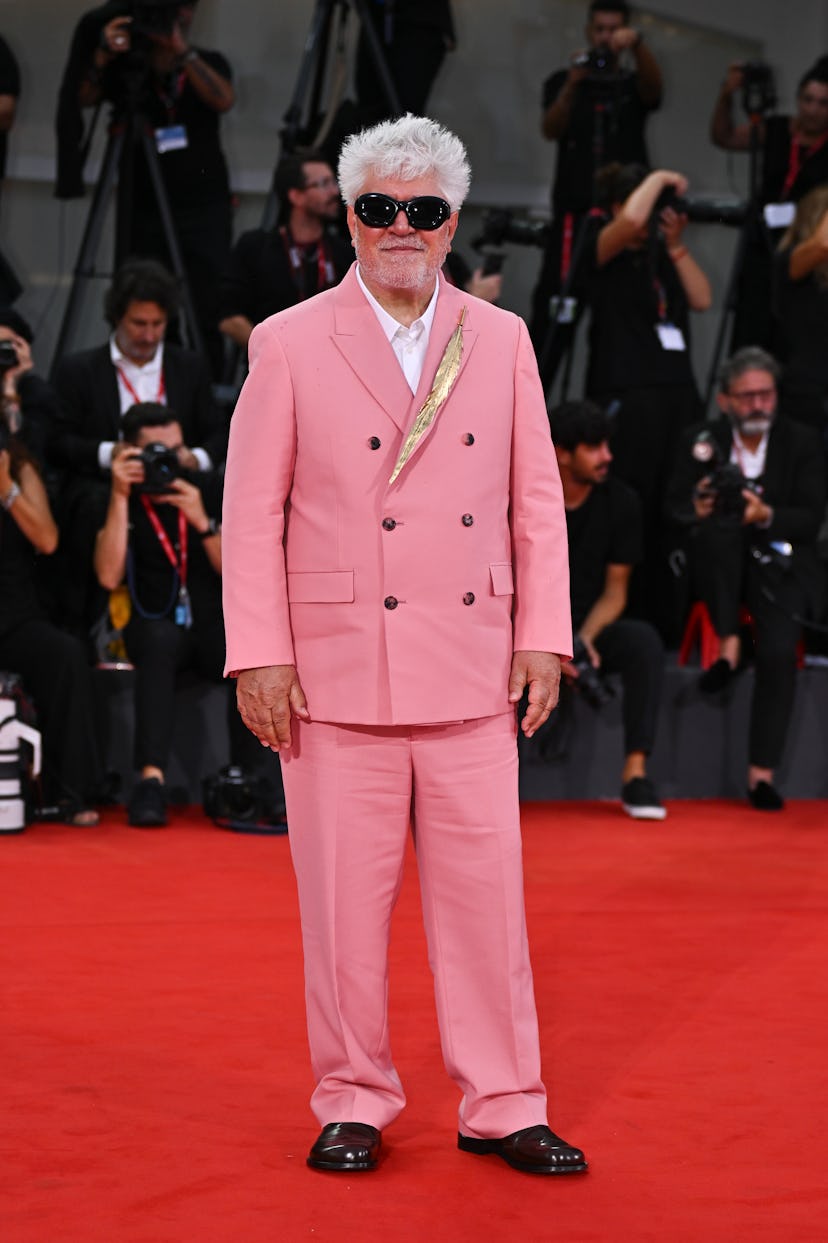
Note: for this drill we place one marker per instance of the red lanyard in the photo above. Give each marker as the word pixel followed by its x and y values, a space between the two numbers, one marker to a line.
pixel 180 567
pixel 162 388
pixel 798 154
pixel 325 268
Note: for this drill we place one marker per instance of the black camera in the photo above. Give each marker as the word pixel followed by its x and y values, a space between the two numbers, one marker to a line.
pixel 701 209
pixel 234 799
pixel 157 18
pixel 502 225
pixel 758 88
pixel 726 481
pixel 598 60
pixel 590 682
pixel 161 467
pixel 8 356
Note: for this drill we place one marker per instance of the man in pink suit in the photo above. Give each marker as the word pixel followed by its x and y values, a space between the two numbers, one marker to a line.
pixel 395 576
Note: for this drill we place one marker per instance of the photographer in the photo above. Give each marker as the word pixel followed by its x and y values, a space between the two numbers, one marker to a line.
pixel 162 537
pixel 29 404
pixel 751 489
pixel 96 387
pixel 643 284
pixel 603 519
pixel 793 152
pixel 138 55
pixel 52 664
pixel 596 111
pixel 269 270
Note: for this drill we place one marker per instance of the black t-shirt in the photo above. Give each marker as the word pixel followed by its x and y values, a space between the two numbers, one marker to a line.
pixel 260 278
pixel 625 296
pixel 196 173
pixel 612 113
pixel 9 85
pixel 152 581
pixel 812 169
pixel 604 530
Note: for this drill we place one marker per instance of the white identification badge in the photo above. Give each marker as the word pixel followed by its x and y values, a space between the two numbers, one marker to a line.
pixel 671 337
pixel 171 138
pixel 779 215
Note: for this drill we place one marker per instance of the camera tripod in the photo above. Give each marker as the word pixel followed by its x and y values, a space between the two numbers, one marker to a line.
pixel 305 102
pixel 129 131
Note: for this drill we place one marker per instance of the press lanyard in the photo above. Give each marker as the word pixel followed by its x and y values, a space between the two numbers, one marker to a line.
pixel 162 388
pixel 183 613
pixel 170 100
pixel 325 268
pixel 796 158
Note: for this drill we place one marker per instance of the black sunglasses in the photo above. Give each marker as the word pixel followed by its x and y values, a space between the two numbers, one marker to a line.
pixel 425 211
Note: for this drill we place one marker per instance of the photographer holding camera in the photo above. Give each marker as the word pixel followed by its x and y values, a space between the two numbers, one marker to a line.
pixel 96 387
pixel 603 521
pixel 138 54
pixel 642 286
pixel 751 489
pixel 162 537
pixel 596 111
pixel 29 404
pixel 794 160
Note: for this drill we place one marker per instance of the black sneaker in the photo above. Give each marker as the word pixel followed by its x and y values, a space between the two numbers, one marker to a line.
pixel 147 808
pixel 639 800
pixel 765 797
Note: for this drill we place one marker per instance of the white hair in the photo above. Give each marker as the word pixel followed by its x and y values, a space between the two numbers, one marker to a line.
pixel 406 149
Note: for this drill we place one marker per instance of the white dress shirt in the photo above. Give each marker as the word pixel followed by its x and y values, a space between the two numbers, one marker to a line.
pixel 409 344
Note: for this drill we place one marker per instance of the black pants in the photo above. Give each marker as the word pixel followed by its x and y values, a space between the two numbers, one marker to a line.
pixel 159 650
pixel 413 57
pixel 634 650
pixel 56 674
pixel 726 576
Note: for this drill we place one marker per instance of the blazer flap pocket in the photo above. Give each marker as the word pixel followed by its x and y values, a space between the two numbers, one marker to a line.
pixel 321 587
pixel 502 581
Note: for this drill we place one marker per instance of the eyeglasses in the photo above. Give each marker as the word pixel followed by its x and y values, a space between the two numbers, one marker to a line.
pixel 424 212
pixel 756 394
pixel 324 183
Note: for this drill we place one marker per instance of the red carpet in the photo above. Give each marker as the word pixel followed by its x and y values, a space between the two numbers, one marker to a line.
pixel 155 1068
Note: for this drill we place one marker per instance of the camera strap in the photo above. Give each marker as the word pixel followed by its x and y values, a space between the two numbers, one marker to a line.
pixel 183 612
pixel 796 158
pixel 130 388
pixel 297 258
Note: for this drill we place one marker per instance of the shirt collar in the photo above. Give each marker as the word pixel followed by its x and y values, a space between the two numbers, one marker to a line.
pixel 119 359
pixel 391 326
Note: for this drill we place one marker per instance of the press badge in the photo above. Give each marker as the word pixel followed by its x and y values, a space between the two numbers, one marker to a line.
pixel 671 337
pixel 171 138
pixel 779 215
pixel 563 310
pixel 183 610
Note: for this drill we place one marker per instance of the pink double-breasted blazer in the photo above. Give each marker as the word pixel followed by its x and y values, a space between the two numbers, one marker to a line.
pixel 401 603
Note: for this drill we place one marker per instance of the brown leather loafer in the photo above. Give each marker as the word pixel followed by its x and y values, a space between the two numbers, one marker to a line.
pixel 346 1146
pixel 535 1150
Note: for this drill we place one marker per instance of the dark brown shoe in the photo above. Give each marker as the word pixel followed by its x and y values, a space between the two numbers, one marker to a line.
pixel 346 1146
pixel 535 1150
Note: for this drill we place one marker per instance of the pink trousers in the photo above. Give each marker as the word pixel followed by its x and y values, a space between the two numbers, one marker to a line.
pixel 351 793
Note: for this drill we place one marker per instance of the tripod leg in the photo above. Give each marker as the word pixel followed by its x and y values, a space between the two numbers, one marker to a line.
pixel 91 240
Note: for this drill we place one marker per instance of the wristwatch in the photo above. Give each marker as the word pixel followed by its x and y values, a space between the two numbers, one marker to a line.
pixel 213 528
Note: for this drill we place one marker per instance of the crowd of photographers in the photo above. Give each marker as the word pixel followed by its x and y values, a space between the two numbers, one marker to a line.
pixel 123 451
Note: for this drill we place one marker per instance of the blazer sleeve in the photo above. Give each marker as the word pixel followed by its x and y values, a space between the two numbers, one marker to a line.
pixel 540 553
pixel 260 462
pixel 190 393
pixel 87 412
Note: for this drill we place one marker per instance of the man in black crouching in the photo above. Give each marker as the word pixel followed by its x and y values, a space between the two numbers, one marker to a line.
pixel 162 537
pixel 603 519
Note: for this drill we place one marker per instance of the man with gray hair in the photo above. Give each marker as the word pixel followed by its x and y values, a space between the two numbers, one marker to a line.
pixel 751 489
pixel 395 576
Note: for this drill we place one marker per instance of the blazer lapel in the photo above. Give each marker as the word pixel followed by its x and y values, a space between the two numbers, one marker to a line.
pixel 363 345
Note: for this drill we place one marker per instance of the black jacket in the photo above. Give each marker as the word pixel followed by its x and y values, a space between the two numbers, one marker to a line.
pixel 90 408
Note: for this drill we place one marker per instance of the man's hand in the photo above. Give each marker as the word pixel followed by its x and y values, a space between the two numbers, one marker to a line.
pixel 187 460
pixel 704 499
pixel 186 497
pixel 624 37
pixel 127 468
pixel 267 697
pixel 541 672
pixel 756 510
pixel 24 364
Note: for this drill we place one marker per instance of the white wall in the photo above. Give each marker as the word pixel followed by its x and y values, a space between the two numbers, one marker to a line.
pixel 489 91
